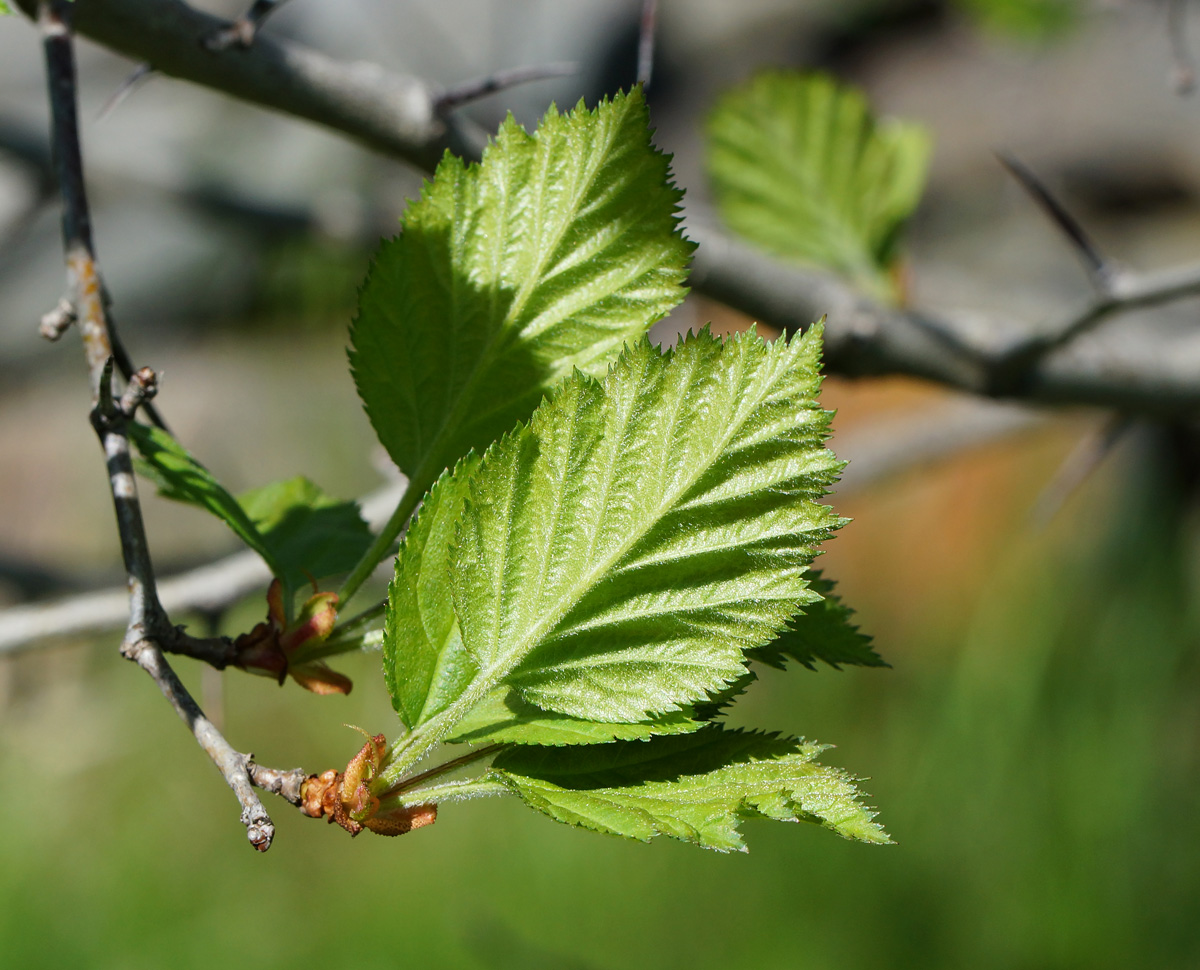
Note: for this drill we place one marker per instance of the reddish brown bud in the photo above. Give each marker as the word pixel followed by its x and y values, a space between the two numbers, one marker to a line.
pixel 345 798
pixel 276 649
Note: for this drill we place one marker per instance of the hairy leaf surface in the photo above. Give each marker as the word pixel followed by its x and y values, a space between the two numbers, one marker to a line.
pixel 616 558
pixel 801 167
pixel 695 787
pixel 504 716
pixel 309 533
pixel 554 251
pixel 425 665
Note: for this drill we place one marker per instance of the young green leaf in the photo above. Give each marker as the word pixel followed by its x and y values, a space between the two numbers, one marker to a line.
pixel 822 631
pixel 800 167
pixel 425 665
pixel 551 254
pixel 182 478
pixel 616 558
pixel 308 533
pixel 695 788
pixel 300 531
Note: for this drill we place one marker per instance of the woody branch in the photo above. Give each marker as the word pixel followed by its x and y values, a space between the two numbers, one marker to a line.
pixel 149 630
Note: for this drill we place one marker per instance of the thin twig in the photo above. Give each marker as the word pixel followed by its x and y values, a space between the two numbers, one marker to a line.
pixel 136 78
pixel 646 31
pixel 285 784
pixel 148 625
pixel 476 88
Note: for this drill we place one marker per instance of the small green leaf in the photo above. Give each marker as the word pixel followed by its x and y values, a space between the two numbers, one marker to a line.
pixel 614 560
pixel 619 555
pixel 308 533
pixel 822 631
pixel 695 787
pixel 800 167
pixel 299 530
pixel 180 477
pixel 551 254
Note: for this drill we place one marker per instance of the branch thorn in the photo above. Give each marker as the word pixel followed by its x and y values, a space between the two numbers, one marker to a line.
pixel 1099 269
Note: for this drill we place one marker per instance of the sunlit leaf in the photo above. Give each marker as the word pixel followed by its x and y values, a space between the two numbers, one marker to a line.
pixel 615 559
pixel 696 787
pixel 553 252
pixel 801 167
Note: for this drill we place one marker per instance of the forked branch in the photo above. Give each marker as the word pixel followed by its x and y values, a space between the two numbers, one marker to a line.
pixel 148 628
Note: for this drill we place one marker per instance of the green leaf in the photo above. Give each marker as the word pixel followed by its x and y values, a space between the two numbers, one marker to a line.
pixel 619 555
pixel 503 716
pixel 307 532
pixel 695 787
pixel 616 558
pixel 800 167
pixel 823 631
pixel 299 530
pixel 180 477
pixel 551 254
pixel 424 663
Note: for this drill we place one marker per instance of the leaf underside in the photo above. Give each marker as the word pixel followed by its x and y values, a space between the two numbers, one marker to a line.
pixel 822 631
pixel 695 788
pixel 550 254
pixel 800 166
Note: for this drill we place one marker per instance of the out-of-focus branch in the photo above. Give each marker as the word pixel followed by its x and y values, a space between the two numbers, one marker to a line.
pixel 646 31
pixel 476 88
pixel 390 112
pixel 210 588
pixel 876 451
pixel 148 628
pixel 1155 370
pixel 241 32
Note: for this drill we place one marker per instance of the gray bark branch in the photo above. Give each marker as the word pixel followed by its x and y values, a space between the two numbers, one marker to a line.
pixel 1154 371
pixel 148 628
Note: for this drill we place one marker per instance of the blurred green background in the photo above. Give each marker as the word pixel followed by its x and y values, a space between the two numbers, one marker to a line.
pixel 1034 749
